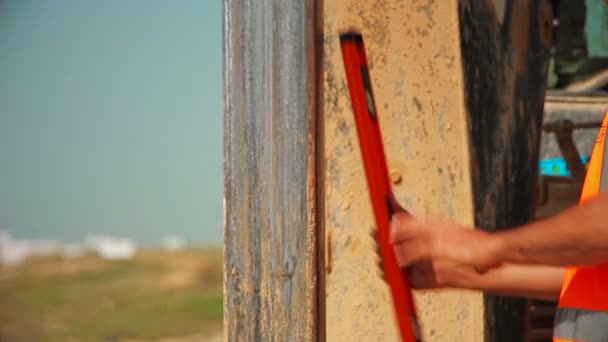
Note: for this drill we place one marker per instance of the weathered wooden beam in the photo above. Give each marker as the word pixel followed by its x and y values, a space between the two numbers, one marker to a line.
pixel 505 52
pixel 270 218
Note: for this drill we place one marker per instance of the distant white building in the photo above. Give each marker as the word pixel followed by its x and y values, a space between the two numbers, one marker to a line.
pixel 14 252
pixel 174 243
pixel 11 252
pixel 111 248
pixel 42 247
pixel 93 242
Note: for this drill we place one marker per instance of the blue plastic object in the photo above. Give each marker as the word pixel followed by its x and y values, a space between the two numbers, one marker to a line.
pixel 557 166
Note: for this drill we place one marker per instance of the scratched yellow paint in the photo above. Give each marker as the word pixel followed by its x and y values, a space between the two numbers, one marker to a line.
pixel 414 58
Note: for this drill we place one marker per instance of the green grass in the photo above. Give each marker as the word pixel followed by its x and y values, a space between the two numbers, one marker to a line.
pixel 112 301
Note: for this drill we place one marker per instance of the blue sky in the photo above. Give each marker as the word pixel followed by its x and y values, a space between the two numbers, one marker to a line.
pixel 110 119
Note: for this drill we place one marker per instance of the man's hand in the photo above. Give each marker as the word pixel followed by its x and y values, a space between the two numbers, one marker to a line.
pixel 440 270
pixel 438 253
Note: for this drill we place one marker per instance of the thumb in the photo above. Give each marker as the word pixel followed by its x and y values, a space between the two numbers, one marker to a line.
pixel 403 227
pixel 394 206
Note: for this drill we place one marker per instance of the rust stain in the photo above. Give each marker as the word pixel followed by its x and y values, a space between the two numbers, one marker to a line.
pixel 519 33
pixel 545 22
pixel 328 255
pixel 395 177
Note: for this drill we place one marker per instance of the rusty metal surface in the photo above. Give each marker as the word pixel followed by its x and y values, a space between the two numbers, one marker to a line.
pixel 270 280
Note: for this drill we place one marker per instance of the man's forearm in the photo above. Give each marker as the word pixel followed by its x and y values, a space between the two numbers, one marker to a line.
pixel 576 237
pixel 535 282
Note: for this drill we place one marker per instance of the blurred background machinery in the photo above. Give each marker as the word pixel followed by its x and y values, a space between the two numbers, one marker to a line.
pixel 575 104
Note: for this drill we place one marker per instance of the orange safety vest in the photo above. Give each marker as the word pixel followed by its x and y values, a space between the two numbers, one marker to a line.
pixel 582 312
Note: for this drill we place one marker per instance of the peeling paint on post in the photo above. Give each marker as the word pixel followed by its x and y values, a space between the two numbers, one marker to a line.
pixel 270 96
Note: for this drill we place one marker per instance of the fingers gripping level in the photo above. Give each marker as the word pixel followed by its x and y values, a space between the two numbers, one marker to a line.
pixel 376 170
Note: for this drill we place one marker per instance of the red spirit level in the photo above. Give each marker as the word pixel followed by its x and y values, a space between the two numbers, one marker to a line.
pixel 370 141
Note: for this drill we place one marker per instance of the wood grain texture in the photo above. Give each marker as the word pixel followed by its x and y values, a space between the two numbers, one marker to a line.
pixel 270 95
pixel 505 57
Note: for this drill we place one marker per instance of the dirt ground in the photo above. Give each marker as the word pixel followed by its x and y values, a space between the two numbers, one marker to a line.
pixel 157 296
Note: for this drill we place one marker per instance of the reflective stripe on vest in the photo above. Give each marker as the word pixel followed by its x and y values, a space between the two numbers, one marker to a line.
pixel 582 313
pixel 581 325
